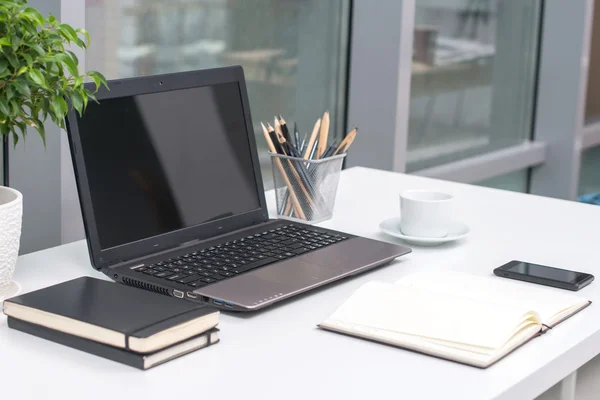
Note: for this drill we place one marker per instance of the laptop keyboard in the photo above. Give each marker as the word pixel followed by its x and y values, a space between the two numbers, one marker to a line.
pixel 215 263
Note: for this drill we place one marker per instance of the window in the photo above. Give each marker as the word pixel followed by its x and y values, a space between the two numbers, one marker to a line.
pixel 294 53
pixel 589 182
pixel 473 78
pixel 592 109
pixel 515 182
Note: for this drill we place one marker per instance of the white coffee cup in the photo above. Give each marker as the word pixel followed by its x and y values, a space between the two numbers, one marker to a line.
pixel 425 213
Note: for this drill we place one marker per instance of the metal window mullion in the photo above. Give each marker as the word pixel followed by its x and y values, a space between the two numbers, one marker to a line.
pixel 379 82
pixel 489 165
pixel 559 117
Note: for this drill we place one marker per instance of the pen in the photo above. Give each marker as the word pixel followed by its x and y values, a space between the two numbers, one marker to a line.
pixel 303 144
pixel 313 151
pixel 297 136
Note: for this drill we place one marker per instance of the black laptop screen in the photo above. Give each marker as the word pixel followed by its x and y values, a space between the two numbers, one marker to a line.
pixel 160 162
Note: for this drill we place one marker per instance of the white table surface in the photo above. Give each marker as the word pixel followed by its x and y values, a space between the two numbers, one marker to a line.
pixel 280 353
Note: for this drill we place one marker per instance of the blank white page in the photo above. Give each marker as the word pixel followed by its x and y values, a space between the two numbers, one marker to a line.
pixel 550 304
pixel 428 314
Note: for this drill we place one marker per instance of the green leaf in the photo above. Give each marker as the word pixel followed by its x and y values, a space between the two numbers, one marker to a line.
pixel 85 98
pixel 70 64
pixel 14 107
pixel 28 59
pixel 3 65
pixel 33 15
pixel 10 92
pixel 12 59
pixel 22 87
pixel 59 107
pixel 78 81
pixel 73 56
pixel 4 108
pixel 39 126
pixel 45 108
pixel 98 79
pixel 16 42
pixel 21 71
pixel 68 32
pixel 36 47
pixel 15 138
pixel 29 26
pixel 37 77
pixel 4 41
pixel 85 34
pixel 22 127
pixel 77 101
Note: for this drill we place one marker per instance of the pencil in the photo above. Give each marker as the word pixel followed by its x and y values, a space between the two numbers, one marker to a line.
pixel 323 134
pixel 299 174
pixel 312 140
pixel 268 139
pixel 295 202
pixel 331 149
pixel 284 129
pixel 277 126
pixel 348 140
pixel 273 137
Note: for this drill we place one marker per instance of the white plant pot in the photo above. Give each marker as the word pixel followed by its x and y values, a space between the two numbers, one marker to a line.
pixel 11 214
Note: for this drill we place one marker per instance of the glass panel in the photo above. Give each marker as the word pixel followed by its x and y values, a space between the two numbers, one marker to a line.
pixel 294 53
pixel 515 182
pixel 473 78
pixel 592 109
pixel 589 181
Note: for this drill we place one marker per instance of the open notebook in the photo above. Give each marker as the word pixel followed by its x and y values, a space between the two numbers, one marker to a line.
pixel 471 319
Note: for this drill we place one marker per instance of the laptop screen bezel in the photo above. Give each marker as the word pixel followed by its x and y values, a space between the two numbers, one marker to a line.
pixel 102 258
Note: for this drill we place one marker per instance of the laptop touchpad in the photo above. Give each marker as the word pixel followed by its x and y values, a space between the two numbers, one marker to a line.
pixel 295 274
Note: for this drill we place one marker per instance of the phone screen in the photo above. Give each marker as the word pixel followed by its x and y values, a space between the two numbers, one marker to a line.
pixel 542 271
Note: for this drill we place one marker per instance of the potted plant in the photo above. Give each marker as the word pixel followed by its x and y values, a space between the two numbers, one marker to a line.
pixel 39 77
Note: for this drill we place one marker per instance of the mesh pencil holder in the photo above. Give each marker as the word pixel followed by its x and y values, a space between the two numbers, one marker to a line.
pixel 305 190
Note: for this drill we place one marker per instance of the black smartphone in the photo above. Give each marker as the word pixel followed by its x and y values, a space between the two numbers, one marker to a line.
pixel 543 275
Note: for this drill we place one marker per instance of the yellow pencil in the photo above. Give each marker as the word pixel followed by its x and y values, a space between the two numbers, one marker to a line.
pixel 313 137
pixel 348 140
pixel 323 135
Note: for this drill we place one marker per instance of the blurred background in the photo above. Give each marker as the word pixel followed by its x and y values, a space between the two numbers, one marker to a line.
pixel 499 93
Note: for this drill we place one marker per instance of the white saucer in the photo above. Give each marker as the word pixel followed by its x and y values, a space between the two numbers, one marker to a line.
pixel 12 290
pixel 391 227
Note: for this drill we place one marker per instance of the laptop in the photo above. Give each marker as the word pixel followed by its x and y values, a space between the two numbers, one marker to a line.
pixel 172 197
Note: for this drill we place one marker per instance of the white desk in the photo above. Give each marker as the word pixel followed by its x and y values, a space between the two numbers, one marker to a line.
pixel 280 354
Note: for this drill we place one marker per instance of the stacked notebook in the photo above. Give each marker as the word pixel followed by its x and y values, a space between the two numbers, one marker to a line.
pixel 475 320
pixel 125 324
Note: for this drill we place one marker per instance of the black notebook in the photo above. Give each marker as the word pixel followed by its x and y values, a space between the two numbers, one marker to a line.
pixel 113 314
pixel 141 361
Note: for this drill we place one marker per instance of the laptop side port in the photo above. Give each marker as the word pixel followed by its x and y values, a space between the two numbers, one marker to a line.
pixel 178 293
pixel 228 304
pixel 192 295
pixel 218 302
